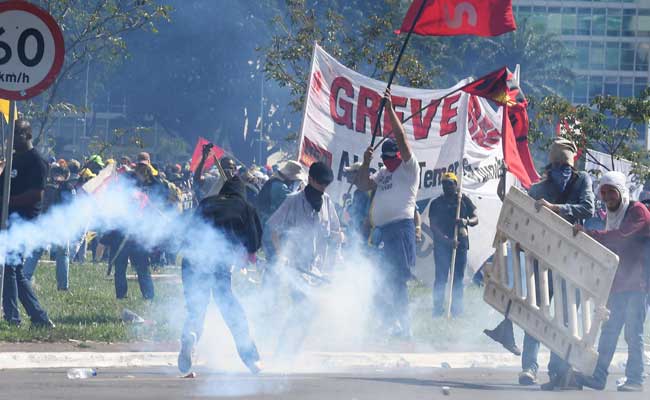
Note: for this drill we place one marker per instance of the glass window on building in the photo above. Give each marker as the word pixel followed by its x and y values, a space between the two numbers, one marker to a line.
pixel 614 22
pixel 611 86
pixel 523 12
pixel 598 22
pixel 569 20
pixel 642 50
pixel 538 18
pixel 643 23
pixel 595 86
pixel 582 55
pixel 639 85
pixel 612 56
pixel 554 20
pixel 629 22
pixel 584 21
pixel 597 56
pixel 580 90
pixel 625 87
pixel 627 56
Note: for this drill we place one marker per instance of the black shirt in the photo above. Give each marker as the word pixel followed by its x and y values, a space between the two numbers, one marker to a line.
pixel 442 213
pixel 29 173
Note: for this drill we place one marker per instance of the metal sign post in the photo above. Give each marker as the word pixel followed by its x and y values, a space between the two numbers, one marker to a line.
pixel 31 56
pixel 6 188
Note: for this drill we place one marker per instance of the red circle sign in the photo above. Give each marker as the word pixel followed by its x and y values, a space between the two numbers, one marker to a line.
pixel 31 50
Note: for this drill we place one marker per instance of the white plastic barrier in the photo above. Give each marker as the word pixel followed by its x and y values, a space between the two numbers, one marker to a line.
pixel 569 322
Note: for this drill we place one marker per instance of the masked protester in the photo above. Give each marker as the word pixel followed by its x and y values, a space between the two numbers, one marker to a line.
pixel 301 230
pixel 627 230
pixel 59 191
pixel 392 215
pixel 443 222
pixel 568 193
pixel 28 179
pixel 356 206
pixel 232 215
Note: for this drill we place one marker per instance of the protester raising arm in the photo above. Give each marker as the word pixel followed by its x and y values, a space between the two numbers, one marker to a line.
pixel 365 183
pixel 198 174
pixel 398 128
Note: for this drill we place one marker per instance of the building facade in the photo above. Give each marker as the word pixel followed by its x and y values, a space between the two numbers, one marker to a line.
pixel 610 40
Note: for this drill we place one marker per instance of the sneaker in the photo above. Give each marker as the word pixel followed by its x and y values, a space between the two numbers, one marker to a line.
pixel 630 387
pixel 185 356
pixel 528 377
pixel 47 324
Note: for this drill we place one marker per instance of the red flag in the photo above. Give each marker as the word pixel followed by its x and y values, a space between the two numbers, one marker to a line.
pixel 216 151
pixel 518 116
pixel 460 17
pixel 498 86
pixel 511 155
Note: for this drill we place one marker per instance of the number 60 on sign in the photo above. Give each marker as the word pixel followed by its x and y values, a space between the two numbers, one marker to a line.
pixel 31 50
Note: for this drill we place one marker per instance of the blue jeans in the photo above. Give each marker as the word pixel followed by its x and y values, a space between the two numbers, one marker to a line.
pixel 140 261
pixel 626 309
pixel 197 287
pixel 442 257
pixel 62 257
pixel 398 256
pixel 556 365
pixel 17 287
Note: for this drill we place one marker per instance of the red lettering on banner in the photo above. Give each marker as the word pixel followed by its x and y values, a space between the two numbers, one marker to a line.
pixel 365 110
pixel 422 126
pixel 398 101
pixel 338 84
pixel 448 123
pixel 481 129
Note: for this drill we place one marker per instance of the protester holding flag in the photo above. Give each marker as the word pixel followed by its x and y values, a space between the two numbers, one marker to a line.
pixel 28 180
pixel 442 219
pixel 568 193
pixel 626 233
pixel 392 209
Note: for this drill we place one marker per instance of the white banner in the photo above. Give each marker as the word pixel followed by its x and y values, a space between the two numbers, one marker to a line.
pixel 340 113
pixel 597 163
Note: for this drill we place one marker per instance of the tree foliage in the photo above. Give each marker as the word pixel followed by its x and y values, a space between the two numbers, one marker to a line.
pixel 609 124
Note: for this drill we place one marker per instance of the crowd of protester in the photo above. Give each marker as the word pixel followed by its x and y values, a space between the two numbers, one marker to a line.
pixel 285 211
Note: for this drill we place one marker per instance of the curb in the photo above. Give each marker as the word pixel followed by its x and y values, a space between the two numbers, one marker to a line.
pixel 311 361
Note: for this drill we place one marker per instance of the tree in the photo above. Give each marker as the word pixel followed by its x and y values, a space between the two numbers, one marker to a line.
pixel 609 124
pixel 94 32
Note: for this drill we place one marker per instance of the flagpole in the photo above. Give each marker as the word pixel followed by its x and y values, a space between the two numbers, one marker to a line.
pixel 454 251
pixel 394 71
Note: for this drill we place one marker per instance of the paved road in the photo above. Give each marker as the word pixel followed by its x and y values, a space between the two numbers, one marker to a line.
pixel 401 384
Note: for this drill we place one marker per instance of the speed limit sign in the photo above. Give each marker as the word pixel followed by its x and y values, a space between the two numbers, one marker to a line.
pixel 31 50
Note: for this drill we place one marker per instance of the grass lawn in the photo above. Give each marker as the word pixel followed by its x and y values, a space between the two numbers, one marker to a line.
pixel 90 312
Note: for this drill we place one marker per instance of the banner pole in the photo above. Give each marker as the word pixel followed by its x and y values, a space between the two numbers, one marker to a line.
pixel 394 71
pixel 304 107
pixel 6 188
pixel 454 251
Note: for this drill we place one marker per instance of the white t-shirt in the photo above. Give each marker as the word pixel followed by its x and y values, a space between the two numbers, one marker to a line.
pixel 396 193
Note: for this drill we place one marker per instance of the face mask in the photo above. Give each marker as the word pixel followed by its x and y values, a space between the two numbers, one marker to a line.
pixel 314 197
pixel 561 176
pixel 448 189
pixel 393 162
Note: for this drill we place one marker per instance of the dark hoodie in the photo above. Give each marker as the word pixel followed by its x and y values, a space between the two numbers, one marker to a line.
pixel 230 212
